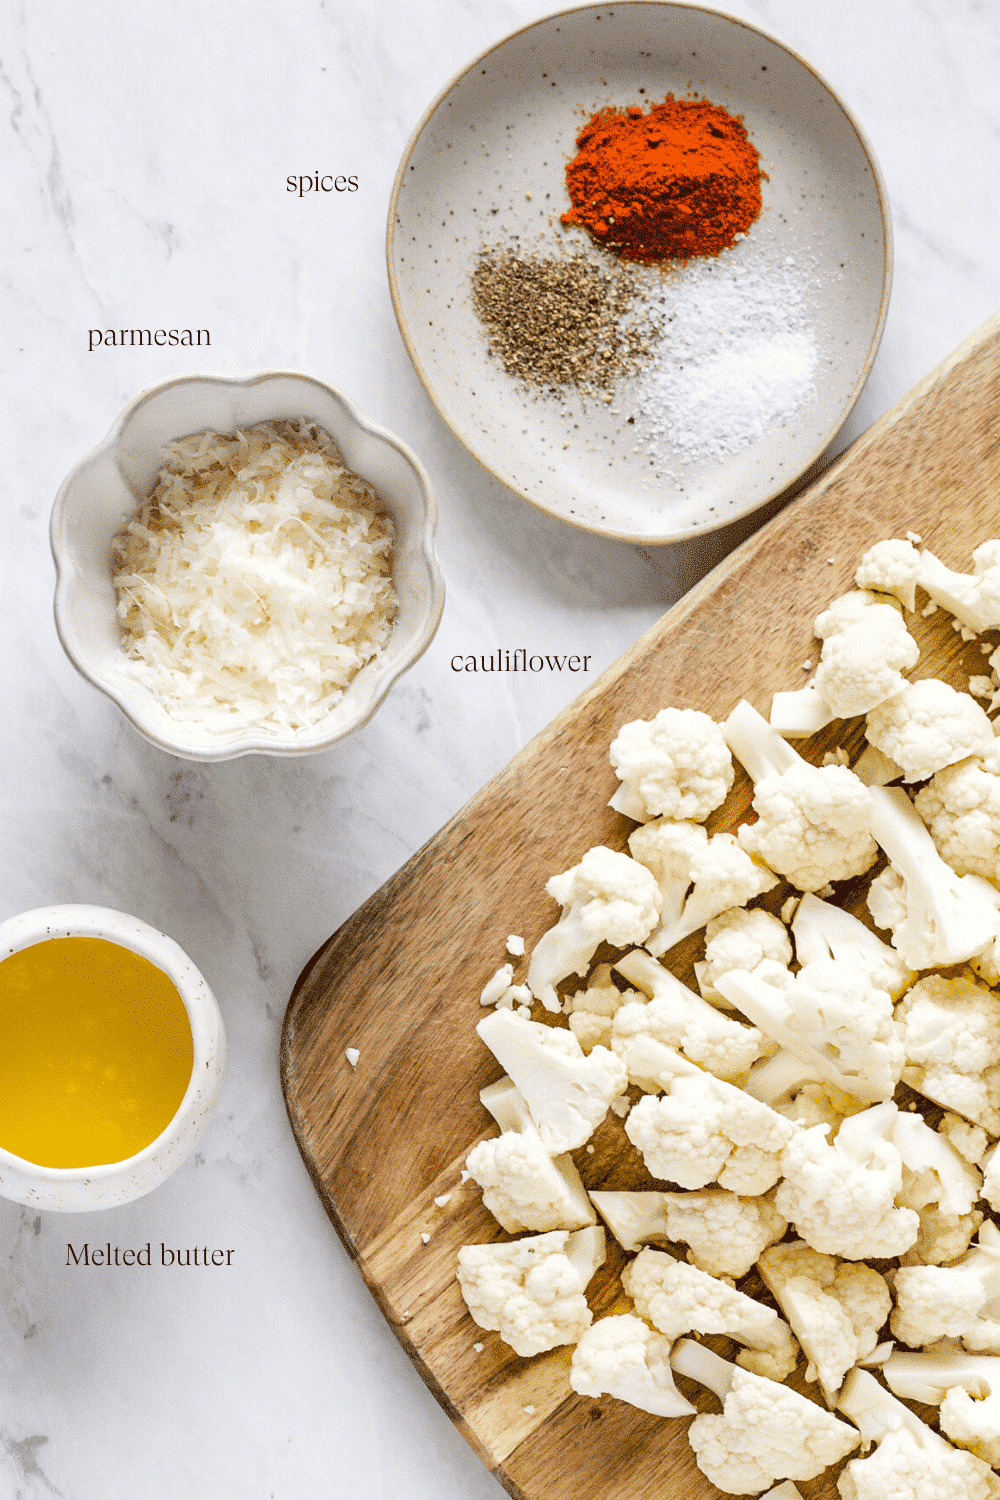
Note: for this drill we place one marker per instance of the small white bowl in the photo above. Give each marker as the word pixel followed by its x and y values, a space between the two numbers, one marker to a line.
pixel 80 1189
pixel 110 483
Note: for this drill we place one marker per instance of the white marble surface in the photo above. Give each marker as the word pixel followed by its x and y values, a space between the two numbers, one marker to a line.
pixel 146 151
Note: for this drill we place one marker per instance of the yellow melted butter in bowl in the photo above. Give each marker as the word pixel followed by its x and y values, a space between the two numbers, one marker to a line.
pixel 97 1052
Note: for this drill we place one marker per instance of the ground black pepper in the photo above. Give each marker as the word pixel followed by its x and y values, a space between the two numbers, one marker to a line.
pixel 558 321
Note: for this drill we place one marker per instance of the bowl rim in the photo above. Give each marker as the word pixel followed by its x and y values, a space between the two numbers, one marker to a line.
pixel 246 742
pixel 788 486
pixel 43 924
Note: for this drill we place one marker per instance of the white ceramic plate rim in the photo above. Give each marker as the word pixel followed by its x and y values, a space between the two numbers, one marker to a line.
pixel 229 748
pixel 787 485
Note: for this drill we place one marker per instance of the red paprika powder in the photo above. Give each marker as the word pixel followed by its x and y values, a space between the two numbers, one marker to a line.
pixel 676 180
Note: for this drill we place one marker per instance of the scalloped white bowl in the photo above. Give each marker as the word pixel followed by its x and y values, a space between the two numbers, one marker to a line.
pixel 107 487
pixel 80 1189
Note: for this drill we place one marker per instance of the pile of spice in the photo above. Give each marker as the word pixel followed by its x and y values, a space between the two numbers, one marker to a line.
pixel 735 354
pixel 558 321
pixel 679 179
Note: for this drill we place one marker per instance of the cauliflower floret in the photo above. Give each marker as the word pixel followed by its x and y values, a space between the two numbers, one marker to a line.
pixel 813 825
pixel 974 1422
pixel 766 1431
pixel 841 1197
pixel 705 1130
pixel 951 1036
pixel 835 1309
pixel 831 1016
pixel 822 930
pixel 891 567
pixel 591 1010
pixel 698 876
pixel 813 822
pixel 866 649
pixel 973 598
pixel 957 1301
pixel 678 1018
pixel 622 1357
pixel 740 939
pixel 679 1298
pixel 523 1186
pixel 566 1091
pixel 607 897
pixel 726 1233
pixel 927 726
pixel 677 765
pixel 970 1141
pixel 991 1177
pixel 936 917
pixel 942 1238
pixel 965 1386
pixel 532 1290
pixel 911 1461
pixel 961 807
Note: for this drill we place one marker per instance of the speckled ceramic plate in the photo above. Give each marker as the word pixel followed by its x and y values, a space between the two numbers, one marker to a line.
pixel 674 451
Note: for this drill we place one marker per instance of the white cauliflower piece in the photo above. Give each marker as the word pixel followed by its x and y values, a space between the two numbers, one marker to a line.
pixel 951 1036
pixel 942 1237
pixel 698 876
pixel 705 1130
pixel 566 1091
pixel 835 1309
pixel 933 1171
pixel 943 1188
pixel 927 726
pixel 726 1233
pixel 590 1010
pixel 814 822
pixel 622 1357
pixel 965 1386
pixel 970 1141
pixel 523 1186
pixel 740 939
pixel 841 1197
pixel 678 1018
pixel 866 650
pixel 766 1431
pixel 822 930
pixel 676 765
pixel 831 1016
pixel 911 1462
pixel 973 598
pixel 991 1177
pixel 891 567
pixel 813 826
pixel 935 916
pixel 961 807
pixel 532 1290
pixel 957 1301
pixel 679 1298
pixel 607 897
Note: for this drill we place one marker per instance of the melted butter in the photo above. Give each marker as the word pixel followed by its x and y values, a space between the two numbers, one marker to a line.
pixel 95 1052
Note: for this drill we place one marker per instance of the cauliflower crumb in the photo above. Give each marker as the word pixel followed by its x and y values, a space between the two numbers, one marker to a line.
pixel 479 1348
pixel 426 1238
pixel 352 1054
pixel 496 986
pixel 444 1198
pixel 929 609
pixel 515 945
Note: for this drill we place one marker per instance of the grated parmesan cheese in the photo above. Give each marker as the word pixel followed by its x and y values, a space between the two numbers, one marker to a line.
pixel 255 582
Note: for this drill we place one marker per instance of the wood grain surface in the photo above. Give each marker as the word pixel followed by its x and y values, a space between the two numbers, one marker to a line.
pixel 401 978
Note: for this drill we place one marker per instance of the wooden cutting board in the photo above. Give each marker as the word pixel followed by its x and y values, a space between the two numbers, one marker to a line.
pixel 401 979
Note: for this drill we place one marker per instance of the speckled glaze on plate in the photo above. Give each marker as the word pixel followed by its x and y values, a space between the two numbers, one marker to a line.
pixel 486 165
